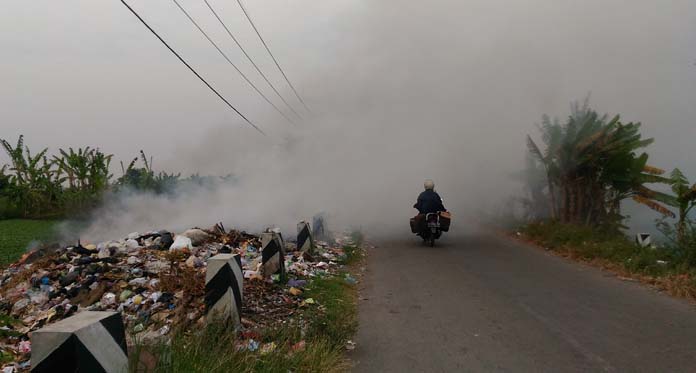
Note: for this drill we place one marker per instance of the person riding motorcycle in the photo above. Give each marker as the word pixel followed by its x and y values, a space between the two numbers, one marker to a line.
pixel 429 201
pixel 432 218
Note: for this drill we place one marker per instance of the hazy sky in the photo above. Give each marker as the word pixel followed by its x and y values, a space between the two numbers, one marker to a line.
pixel 401 90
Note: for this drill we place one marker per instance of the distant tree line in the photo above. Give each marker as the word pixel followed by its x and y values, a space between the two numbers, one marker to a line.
pixel 74 181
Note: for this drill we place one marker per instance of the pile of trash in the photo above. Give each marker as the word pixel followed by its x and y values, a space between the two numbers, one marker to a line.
pixel 156 280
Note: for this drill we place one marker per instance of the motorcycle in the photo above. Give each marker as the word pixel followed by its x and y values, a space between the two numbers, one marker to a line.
pixel 432 229
pixel 430 226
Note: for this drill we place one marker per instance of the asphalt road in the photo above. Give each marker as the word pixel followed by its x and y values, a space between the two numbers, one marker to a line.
pixel 478 303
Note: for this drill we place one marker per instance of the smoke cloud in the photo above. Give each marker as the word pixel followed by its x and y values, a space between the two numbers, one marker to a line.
pixel 400 91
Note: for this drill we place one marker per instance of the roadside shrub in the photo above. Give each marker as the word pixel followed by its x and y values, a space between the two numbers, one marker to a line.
pixel 591 243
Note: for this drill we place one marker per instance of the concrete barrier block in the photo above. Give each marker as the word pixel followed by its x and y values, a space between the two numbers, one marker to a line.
pixel 87 342
pixel 273 255
pixel 223 287
pixel 643 239
pixel 305 241
pixel 319 226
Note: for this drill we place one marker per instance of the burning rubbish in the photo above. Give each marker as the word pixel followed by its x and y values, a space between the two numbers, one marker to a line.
pixel 158 282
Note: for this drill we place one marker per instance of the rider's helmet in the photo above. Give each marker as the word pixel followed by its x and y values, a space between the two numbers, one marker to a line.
pixel 429 185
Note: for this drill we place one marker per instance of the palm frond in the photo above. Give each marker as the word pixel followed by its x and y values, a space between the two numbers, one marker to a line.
pixel 653 170
pixel 653 205
pixel 534 150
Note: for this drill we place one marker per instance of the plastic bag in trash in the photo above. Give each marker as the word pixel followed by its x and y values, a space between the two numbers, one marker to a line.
pixel 181 243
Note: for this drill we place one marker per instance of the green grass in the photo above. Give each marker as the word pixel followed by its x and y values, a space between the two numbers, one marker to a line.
pixel 339 321
pixel 16 234
pixel 354 251
pixel 332 321
pixel 666 268
pixel 588 243
pixel 357 237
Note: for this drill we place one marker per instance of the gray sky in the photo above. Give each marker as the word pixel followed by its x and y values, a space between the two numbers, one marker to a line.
pixel 402 90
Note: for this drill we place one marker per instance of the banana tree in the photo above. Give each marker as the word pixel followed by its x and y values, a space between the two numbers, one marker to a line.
pixel 86 169
pixel 591 163
pixel 684 200
pixel 552 135
pixel 35 186
pixel 16 154
pixel 4 179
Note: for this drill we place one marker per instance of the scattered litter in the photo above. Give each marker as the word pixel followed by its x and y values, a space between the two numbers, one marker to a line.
pixel 196 236
pixel 299 346
pixel 24 347
pixel 297 283
pixel 252 345
pixel 157 281
pixel 267 348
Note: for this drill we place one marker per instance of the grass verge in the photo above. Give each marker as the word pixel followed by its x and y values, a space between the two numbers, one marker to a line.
pixel 17 234
pixel 313 342
pixel 661 267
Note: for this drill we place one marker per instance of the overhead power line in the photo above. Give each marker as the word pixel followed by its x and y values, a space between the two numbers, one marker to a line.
pixel 249 58
pixel 271 54
pixel 191 68
pixel 230 61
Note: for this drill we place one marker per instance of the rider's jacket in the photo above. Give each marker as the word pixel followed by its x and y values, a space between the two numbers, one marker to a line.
pixel 429 201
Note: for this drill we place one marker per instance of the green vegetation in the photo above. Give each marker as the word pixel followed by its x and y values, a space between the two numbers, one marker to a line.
pixel 591 165
pixel 74 181
pixel 338 322
pixel 317 345
pixel 36 186
pixel 145 179
pixel 664 267
pixel 16 234
pixel 590 243
pixel 684 200
pixel 575 186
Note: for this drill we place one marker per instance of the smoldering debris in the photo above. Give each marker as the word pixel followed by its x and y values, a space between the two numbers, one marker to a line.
pixel 156 280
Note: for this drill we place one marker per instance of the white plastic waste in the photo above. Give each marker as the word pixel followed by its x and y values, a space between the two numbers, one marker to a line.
pixel 197 236
pixel 180 243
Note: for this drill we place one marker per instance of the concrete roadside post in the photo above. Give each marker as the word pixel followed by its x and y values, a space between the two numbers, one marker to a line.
pixel 280 237
pixel 318 226
pixel 643 239
pixel 223 288
pixel 305 241
pixel 273 255
pixel 87 342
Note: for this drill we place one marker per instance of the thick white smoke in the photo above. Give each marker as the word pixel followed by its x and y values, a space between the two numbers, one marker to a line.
pixel 401 91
